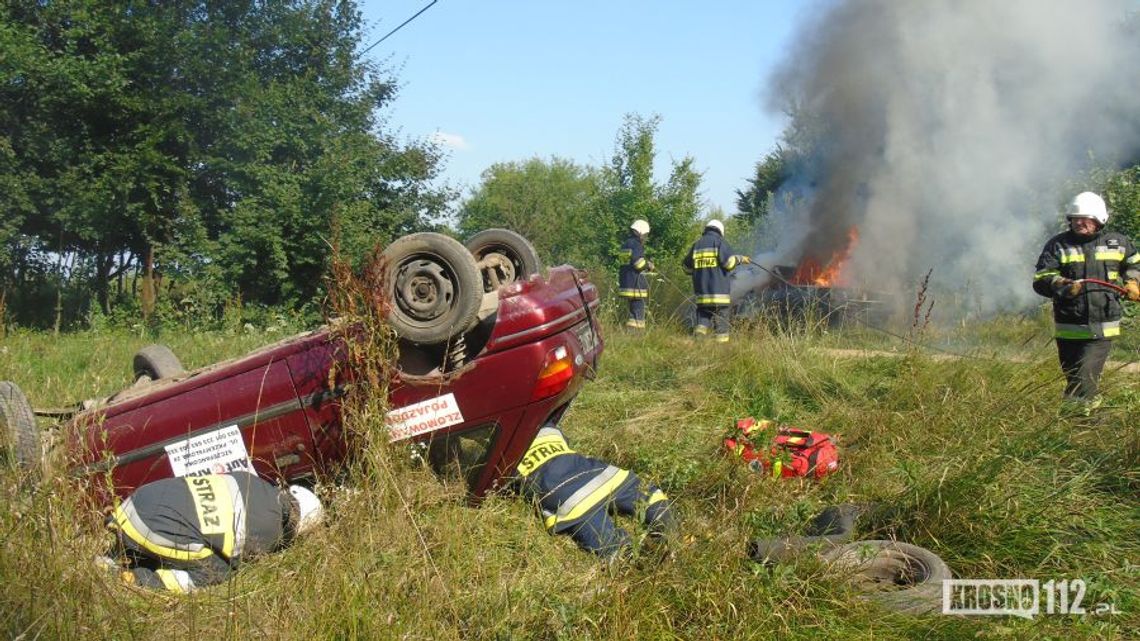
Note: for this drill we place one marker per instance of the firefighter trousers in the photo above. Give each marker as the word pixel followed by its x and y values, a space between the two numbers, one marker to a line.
pixel 636 313
pixel 150 570
pixel 598 532
pixel 1082 361
pixel 712 317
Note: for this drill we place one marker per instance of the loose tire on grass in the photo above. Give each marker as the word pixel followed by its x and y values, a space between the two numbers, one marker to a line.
pixel 832 527
pixel 21 444
pixel 503 256
pixel 156 361
pixel 899 576
pixel 433 288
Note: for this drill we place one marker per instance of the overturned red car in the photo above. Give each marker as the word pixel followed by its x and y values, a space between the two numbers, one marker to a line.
pixel 491 348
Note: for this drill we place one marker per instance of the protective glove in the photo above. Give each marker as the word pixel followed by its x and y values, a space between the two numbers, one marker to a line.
pixel 1133 288
pixel 649 267
pixel 1067 288
pixel 746 260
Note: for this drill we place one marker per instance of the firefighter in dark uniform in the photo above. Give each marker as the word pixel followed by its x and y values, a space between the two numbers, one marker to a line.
pixel 632 283
pixel 709 261
pixel 577 494
pixel 190 532
pixel 1086 315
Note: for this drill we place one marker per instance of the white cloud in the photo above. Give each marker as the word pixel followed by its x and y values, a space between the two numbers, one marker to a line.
pixel 452 141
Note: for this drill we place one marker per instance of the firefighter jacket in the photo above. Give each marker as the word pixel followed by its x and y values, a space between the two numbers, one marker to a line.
pixel 631 277
pixel 571 488
pixel 203 526
pixel 709 261
pixel 1095 311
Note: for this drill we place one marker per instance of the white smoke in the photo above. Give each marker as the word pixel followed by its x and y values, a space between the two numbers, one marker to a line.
pixel 945 131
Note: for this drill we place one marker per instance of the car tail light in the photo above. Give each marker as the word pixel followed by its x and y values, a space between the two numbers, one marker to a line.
pixel 557 372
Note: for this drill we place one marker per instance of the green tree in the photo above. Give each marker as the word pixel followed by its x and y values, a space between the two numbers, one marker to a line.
pixel 754 202
pixel 631 193
pixel 202 140
pixel 1122 195
pixel 549 202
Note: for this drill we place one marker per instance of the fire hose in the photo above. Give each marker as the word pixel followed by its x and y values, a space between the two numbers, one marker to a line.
pixel 1104 283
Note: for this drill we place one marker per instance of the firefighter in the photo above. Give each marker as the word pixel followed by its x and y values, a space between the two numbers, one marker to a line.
pixel 709 261
pixel 186 533
pixel 1086 315
pixel 632 283
pixel 577 494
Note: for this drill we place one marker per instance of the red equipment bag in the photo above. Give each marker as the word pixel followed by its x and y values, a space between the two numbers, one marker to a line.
pixel 793 452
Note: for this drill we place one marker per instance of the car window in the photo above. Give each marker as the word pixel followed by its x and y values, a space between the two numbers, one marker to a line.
pixel 461 455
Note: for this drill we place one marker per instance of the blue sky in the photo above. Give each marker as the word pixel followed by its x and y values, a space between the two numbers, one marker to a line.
pixel 509 80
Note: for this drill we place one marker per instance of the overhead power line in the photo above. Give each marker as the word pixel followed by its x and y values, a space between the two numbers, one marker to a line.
pixel 401 25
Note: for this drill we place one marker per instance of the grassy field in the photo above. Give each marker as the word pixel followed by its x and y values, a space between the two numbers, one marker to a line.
pixel 967 457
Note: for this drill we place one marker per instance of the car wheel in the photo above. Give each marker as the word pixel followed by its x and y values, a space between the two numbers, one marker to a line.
pixel 156 361
pixel 503 257
pixel 434 287
pixel 21 437
pixel 899 576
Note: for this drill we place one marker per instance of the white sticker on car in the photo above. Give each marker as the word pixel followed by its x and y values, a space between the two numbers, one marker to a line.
pixel 425 416
pixel 216 452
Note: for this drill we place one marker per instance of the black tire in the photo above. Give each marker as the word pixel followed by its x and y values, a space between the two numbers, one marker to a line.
pixel 21 436
pixel 504 257
pixel 434 287
pixel 787 548
pixel 156 361
pixel 899 576
pixel 832 527
pixel 837 520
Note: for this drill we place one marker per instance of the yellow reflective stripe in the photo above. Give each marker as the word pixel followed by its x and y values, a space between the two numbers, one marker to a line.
pixel 1106 329
pixel 1045 273
pixel 214 505
pixel 1109 255
pixel 730 264
pixel 1133 259
pixel 169 581
pixel 1073 333
pixel 657 497
pixel 627 292
pixel 721 338
pixel 705 253
pixel 701 330
pixel 1113 275
pixel 639 324
pixel 714 299
pixel 1077 256
pixel 126 525
pixel 590 501
pixel 640 264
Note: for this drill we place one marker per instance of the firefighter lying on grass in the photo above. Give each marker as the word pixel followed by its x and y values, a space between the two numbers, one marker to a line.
pixel 577 494
pixel 186 533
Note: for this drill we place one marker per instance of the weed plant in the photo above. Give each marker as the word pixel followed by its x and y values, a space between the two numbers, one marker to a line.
pixel 965 456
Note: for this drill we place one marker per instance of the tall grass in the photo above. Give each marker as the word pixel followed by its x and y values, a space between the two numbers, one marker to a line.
pixel 965 456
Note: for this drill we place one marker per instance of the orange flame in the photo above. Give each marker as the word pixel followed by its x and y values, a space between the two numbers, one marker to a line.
pixel 811 272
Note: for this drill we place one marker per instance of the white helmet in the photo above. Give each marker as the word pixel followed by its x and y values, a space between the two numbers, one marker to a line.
pixel 1088 205
pixel 715 224
pixel 640 226
pixel 310 508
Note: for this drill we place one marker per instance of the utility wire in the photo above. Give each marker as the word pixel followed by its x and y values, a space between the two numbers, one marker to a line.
pixel 401 25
